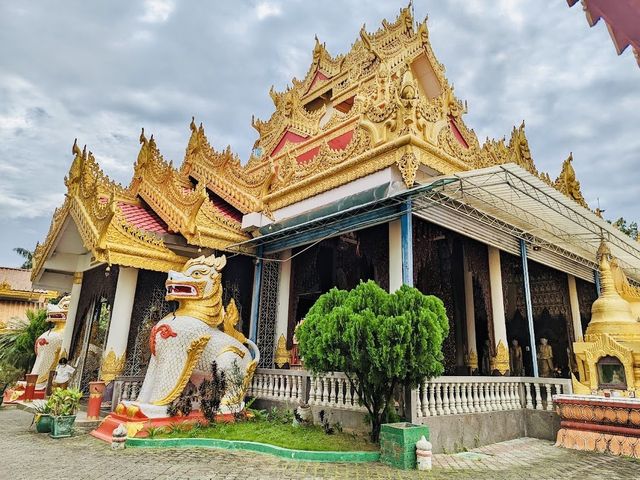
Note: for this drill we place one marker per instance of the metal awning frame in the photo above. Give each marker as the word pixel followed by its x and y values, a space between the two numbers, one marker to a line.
pixel 506 198
pixel 533 216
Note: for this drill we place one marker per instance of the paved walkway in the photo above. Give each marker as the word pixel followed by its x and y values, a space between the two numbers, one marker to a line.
pixel 27 455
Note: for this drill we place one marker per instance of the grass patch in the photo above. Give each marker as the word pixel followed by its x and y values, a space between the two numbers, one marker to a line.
pixel 310 438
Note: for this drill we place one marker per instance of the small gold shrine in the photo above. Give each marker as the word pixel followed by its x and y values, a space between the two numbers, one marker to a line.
pixel 609 357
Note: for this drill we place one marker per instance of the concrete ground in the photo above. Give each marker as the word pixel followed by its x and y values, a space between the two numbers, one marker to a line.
pixel 27 455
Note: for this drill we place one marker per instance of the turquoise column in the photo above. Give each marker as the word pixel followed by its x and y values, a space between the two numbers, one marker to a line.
pixel 255 299
pixel 406 229
pixel 596 277
pixel 527 300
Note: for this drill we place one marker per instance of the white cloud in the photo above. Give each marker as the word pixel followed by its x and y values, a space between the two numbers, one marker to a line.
pixel 157 11
pixel 267 9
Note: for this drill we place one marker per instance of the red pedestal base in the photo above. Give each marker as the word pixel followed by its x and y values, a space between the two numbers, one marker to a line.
pixel 599 424
pixel 137 424
pixel 15 395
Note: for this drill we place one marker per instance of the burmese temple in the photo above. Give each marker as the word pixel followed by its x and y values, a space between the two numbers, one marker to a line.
pixel 365 171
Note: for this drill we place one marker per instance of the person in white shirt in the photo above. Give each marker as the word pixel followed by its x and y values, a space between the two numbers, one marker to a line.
pixel 63 374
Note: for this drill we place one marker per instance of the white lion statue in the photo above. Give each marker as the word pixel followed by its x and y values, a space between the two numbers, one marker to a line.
pixel 49 344
pixel 185 343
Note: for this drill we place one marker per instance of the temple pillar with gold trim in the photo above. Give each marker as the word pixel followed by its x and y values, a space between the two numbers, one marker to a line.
pixel 281 354
pixel 471 354
pixel 67 335
pixel 500 361
pixel 113 359
pixel 575 308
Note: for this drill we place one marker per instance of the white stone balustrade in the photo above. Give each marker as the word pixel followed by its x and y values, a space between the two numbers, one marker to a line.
pixel 436 397
pixel 294 386
pixel 125 388
pixel 288 386
pixel 460 395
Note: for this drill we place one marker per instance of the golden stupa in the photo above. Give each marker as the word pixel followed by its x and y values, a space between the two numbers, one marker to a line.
pixel 609 357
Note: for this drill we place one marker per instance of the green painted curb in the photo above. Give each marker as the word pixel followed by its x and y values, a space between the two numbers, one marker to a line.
pixel 311 456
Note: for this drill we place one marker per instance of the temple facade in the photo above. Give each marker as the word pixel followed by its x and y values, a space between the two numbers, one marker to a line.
pixel 17 295
pixel 365 170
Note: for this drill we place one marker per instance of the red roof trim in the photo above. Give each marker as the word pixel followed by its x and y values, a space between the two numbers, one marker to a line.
pixel 287 137
pixel 457 134
pixel 143 218
pixel 337 143
pixel 319 78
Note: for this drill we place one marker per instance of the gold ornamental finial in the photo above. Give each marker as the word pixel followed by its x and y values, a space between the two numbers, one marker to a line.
pixel 142 139
pixel 192 125
pixel 75 149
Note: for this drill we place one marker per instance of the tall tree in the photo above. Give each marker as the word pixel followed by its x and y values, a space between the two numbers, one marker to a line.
pixel 379 340
pixel 27 255
pixel 630 229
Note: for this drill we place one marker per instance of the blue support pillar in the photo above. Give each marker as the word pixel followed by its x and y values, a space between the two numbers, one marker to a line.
pixel 406 228
pixel 255 299
pixel 596 277
pixel 527 300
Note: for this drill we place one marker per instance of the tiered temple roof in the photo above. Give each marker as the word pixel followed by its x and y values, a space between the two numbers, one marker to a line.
pixel 385 103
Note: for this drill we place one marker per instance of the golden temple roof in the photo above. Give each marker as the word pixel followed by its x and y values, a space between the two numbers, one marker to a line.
pixel 112 223
pixel 387 102
pixel 188 210
pixel 15 284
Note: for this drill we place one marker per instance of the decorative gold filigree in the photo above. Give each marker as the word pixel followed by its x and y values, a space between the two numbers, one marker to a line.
pixel 93 202
pixel 185 209
pixel 112 366
pixel 281 355
pixel 471 360
pixel 231 318
pixel 568 184
pixel 408 166
pixel 605 345
pixel 500 361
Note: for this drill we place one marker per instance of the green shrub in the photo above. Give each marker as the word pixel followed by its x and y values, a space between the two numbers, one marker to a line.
pixel 379 340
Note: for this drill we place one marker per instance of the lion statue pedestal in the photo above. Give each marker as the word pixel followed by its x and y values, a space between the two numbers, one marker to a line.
pixel 183 346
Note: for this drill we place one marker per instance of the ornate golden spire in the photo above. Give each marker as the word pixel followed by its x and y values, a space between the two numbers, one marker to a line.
pixel 568 184
pixel 610 313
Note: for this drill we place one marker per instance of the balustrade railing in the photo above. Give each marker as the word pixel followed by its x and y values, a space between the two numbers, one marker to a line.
pixel 435 397
pixel 299 386
pixel 334 390
pixel 288 386
pixel 125 388
pixel 457 395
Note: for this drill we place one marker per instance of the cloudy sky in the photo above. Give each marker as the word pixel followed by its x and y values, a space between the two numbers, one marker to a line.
pixel 100 71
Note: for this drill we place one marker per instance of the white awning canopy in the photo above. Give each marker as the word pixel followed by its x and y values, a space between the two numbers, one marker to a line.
pixel 511 200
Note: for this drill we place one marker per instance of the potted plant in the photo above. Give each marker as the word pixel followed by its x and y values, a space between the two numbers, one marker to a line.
pixel 42 416
pixel 64 404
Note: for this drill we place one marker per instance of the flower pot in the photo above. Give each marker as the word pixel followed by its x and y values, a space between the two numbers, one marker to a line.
pixel 43 422
pixel 62 426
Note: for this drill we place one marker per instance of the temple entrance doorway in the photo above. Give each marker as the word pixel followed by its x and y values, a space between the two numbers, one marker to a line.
pixel 438 270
